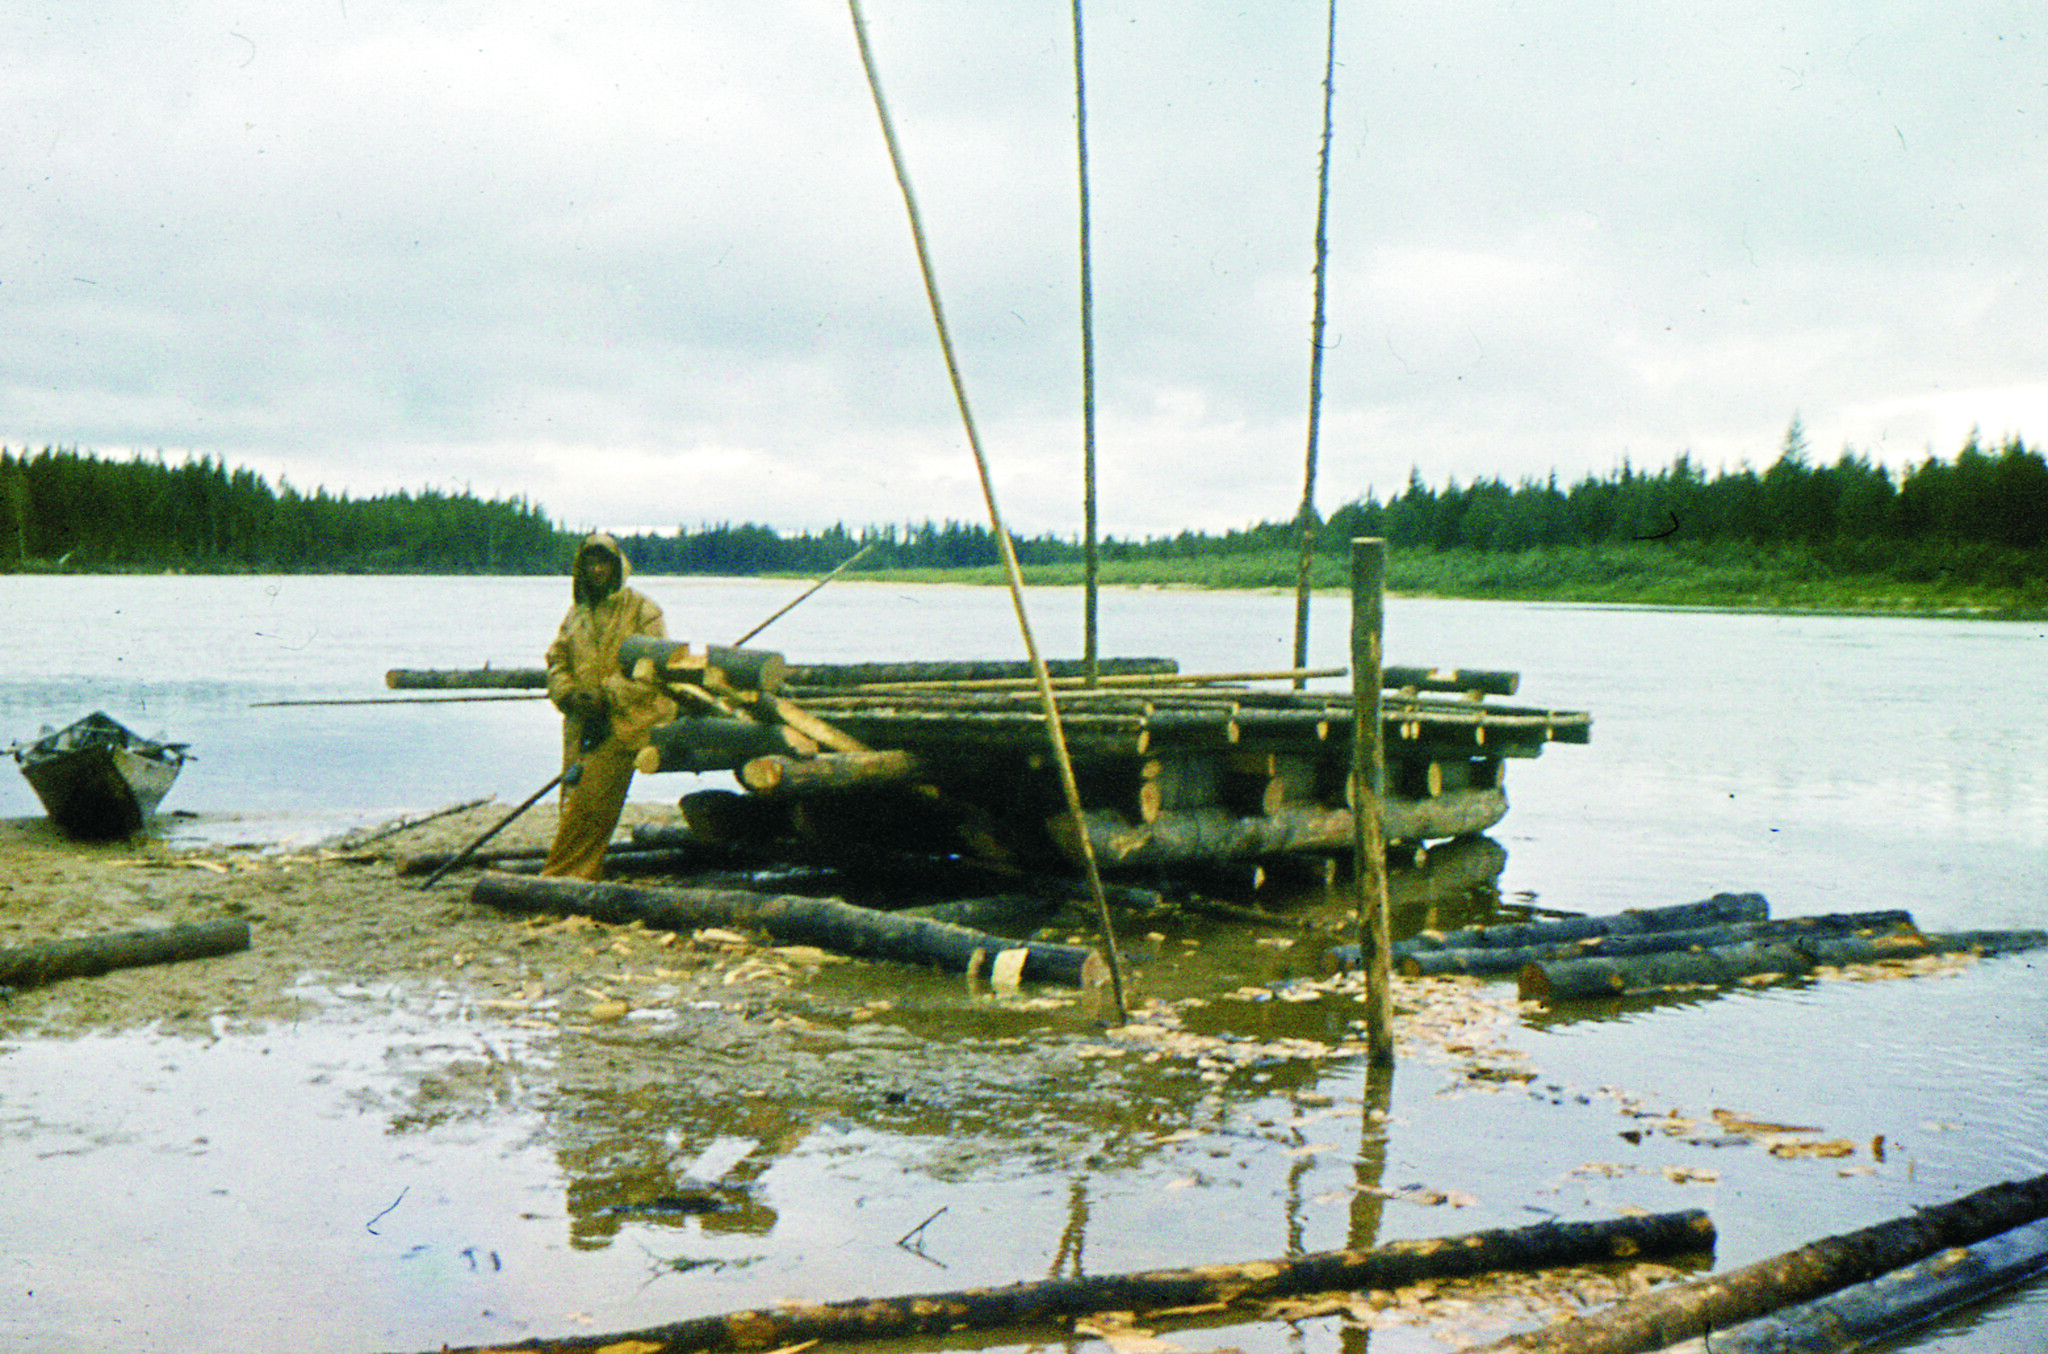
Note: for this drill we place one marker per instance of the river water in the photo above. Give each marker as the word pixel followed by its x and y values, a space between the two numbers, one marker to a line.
pixel 1830 763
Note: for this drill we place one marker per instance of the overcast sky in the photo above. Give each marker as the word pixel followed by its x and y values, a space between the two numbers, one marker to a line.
pixel 644 262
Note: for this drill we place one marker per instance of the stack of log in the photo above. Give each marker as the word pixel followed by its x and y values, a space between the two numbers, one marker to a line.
pixel 1174 769
pixel 1724 939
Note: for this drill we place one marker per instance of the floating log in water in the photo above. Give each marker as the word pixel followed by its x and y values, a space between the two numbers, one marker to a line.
pixel 1037 1303
pixel 1701 1306
pixel 828 923
pixel 1578 979
pixel 1429 963
pixel 88 956
pixel 1216 834
pixel 487 678
pixel 1721 908
pixel 1860 1315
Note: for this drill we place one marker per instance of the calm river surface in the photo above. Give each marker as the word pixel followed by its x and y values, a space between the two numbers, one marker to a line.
pixel 1830 763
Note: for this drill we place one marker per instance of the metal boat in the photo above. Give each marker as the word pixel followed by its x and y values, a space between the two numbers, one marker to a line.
pixel 98 778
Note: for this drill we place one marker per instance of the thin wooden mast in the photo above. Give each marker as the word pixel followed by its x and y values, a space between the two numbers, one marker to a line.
pixel 1306 517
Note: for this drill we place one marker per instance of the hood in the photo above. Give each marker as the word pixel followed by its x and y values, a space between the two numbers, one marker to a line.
pixel 601 543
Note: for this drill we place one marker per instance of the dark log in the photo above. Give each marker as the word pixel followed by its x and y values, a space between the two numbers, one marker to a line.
pixel 710 743
pixel 877 674
pixel 1046 1301
pixel 1470 681
pixel 433 679
pixel 1798 954
pixel 827 772
pixel 1701 1306
pixel 718 667
pixel 87 956
pixel 1862 1314
pixel 1428 963
pixel 828 923
pixel 736 819
pixel 1714 911
pixel 1215 834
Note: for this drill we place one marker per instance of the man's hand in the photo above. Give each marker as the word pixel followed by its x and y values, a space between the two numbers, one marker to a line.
pixel 584 704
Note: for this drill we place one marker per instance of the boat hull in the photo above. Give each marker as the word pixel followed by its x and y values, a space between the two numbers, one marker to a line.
pixel 98 780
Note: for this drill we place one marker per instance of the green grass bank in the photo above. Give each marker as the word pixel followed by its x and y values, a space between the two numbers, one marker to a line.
pixel 1894 579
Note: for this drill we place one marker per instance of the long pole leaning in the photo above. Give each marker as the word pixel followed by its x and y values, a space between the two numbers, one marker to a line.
pixel 1306 517
pixel 1368 775
pixel 1041 676
pixel 1090 551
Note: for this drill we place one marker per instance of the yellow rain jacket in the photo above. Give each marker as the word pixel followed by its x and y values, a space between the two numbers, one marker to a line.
pixel 584 660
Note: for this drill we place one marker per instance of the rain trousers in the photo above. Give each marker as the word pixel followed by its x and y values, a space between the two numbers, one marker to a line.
pixel 584 658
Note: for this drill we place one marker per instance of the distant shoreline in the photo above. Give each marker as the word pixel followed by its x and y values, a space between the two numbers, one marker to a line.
pixel 1795 582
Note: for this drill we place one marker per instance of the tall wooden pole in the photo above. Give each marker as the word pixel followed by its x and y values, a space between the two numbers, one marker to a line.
pixel 1368 774
pixel 1090 554
pixel 1305 519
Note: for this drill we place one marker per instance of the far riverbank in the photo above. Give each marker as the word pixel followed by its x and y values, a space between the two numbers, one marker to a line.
pixel 2011 587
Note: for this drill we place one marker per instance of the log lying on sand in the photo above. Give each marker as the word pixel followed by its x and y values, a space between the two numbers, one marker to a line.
pixel 1044 1301
pixel 31 965
pixel 1574 979
pixel 1704 1305
pixel 1856 1316
pixel 1428 963
pixel 828 923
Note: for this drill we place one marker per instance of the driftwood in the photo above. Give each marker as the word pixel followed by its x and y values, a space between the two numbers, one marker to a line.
pixel 828 923
pixel 1047 1301
pixel 31 965
pixel 1699 1307
pixel 1722 907
pixel 1856 1316
pixel 442 679
pixel 1428 963
pixel 1216 834
pixel 1792 956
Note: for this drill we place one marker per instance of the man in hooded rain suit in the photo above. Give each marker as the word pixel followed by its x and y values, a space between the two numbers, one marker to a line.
pixel 606 715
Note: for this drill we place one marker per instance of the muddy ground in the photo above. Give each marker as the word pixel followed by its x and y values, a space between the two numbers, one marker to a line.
pixel 336 930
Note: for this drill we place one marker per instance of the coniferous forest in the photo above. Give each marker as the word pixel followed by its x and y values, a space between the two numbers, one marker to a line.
pixel 1977 521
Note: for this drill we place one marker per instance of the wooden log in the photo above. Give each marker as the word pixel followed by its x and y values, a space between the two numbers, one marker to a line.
pixel 1216 834
pixel 1480 682
pixel 827 772
pixel 787 712
pixel 711 743
pixel 737 819
pixel 88 956
pixel 1701 1306
pixel 872 674
pixel 435 679
pixel 1500 960
pixel 1862 1314
pixel 1714 911
pixel 1045 1301
pixel 828 923
pixel 1571 979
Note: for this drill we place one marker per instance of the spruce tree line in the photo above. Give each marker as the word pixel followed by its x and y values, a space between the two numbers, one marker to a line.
pixel 92 513
pixel 1981 516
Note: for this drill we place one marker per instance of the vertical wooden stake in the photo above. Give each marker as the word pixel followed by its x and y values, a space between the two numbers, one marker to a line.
pixel 1368 775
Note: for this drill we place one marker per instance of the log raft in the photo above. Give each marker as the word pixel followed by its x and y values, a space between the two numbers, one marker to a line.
pixel 1176 769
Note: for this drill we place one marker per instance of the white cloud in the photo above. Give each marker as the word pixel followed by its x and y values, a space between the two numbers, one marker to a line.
pixel 652 252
